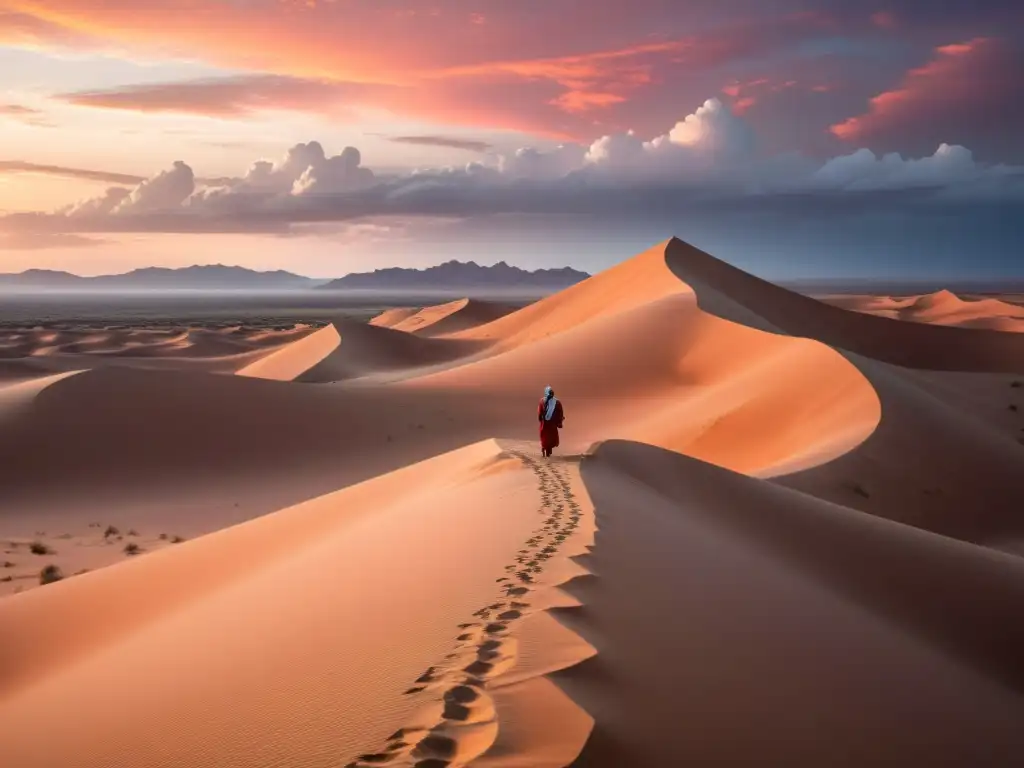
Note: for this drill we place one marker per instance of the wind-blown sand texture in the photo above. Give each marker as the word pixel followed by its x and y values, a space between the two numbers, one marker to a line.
pixel 777 533
pixel 940 308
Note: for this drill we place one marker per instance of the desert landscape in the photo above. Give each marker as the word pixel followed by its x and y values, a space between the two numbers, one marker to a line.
pixel 779 531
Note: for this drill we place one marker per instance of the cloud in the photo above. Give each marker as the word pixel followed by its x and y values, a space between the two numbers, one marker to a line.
pixel 969 92
pixel 37 241
pixel 20 166
pixel 30 31
pixel 711 156
pixel 451 142
pixel 17 110
pixel 527 69
pixel 26 115
pixel 341 173
pixel 949 165
pixel 227 96
pixel 167 190
pixel 537 165
pixel 100 206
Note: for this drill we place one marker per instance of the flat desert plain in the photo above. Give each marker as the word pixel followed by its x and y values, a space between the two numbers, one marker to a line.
pixel 777 532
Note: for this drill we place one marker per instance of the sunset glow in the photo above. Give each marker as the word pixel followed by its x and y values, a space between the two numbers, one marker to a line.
pixel 99 97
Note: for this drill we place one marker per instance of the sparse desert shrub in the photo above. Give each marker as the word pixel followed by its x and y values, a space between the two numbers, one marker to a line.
pixel 7 578
pixel 132 548
pixel 50 574
pixel 860 490
pixel 177 539
pixel 163 537
pixel 38 548
pixel 8 564
pixel 132 532
pixel 111 531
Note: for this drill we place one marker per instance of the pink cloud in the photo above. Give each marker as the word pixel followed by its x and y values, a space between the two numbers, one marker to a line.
pixel 741 105
pixel 963 86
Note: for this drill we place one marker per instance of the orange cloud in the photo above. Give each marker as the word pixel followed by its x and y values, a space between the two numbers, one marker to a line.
pixel 582 101
pixel 592 81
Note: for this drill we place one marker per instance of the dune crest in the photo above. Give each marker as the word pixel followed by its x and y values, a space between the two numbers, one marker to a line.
pixel 296 358
pixel 442 319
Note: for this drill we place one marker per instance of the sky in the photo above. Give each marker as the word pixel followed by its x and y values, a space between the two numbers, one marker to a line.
pixel 797 139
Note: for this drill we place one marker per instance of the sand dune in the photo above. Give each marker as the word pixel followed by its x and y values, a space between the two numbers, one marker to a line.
pixel 366 350
pixel 939 308
pixel 215 350
pixel 389 318
pixel 452 317
pixel 348 349
pixel 731 293
pixel 841 589
pixel 296 358
pixel 759 626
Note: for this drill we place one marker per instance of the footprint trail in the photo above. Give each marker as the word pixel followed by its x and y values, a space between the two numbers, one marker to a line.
pixel 466 725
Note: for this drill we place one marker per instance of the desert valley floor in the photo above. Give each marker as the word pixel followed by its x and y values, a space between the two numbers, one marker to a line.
pixel 778 531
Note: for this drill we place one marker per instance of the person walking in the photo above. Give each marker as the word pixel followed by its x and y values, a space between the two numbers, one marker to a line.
pixel 550 415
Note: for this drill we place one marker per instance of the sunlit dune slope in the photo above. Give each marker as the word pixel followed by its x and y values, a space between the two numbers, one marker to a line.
pixel 296 358
pixel 366 350
pixel 452 317
pixel 391 317
pixel 633 355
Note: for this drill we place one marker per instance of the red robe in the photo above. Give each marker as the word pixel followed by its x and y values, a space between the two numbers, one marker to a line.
pixel 549 429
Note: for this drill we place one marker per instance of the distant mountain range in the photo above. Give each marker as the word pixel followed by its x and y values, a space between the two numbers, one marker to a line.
pixel 451 277
pixel 214 277
pixel 455 276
